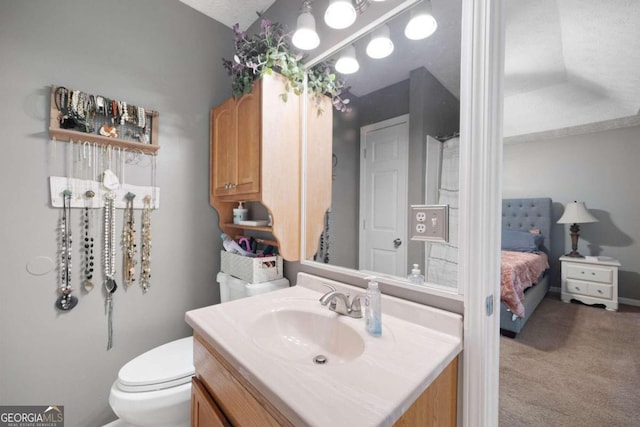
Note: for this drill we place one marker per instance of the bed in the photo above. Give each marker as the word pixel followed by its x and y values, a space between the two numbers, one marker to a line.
pixel 524 215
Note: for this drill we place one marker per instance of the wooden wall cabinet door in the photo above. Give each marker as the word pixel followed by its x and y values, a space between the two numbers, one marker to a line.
pixel 224 153
pixel 235 145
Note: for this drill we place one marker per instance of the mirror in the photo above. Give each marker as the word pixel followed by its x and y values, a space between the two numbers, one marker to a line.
pixel 396 147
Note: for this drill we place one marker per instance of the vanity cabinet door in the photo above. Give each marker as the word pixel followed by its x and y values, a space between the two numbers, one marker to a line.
pixel 204 411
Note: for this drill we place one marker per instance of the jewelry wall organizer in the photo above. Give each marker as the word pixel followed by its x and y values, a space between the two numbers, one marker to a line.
pixel 95 168
pixel 77 115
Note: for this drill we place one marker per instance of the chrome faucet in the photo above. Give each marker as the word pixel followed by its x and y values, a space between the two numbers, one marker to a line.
pixel 340 303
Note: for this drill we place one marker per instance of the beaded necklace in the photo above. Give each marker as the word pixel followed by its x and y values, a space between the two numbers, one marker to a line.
pixel 129 241
pixel 145 252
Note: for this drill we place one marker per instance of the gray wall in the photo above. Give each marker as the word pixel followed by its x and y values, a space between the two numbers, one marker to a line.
pixel 345 200
pixel 159 54
pixel 600 169
pixel 433 111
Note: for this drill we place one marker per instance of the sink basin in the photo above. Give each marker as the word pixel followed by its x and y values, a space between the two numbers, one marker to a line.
pixel 301 335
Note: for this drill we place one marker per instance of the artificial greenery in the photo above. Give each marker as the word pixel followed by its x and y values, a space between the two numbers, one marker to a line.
pixel 270 51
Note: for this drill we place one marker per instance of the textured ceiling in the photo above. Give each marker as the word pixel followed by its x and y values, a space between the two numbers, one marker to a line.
pixel 571 66
pixel 230 12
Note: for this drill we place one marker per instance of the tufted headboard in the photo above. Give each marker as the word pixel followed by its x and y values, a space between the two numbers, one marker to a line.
pixel 525 214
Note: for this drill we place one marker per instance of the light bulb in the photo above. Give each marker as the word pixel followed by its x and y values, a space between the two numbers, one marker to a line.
pixel 380 45
pixel 340 14
pixel 422 23
pixel 347 63
pixel 305 37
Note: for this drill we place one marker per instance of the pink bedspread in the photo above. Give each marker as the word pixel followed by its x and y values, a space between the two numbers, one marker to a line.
pixel 519 271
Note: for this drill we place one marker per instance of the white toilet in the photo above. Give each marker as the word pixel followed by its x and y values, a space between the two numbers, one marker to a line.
pixel 154 389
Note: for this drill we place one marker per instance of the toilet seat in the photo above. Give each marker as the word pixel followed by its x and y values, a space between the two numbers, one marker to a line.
pixel 166 366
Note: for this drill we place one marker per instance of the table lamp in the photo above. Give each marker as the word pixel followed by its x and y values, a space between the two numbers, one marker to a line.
pixel 576 213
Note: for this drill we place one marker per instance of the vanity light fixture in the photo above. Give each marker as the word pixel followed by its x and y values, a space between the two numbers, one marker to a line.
pixel 380 45
pixel 422 23
pixel 576 213
pixel 340 14
pixel 347 63
pixel 305 37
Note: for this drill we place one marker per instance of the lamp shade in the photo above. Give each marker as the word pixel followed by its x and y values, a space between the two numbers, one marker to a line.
pixel 340 14
pixel 422 23
pixel 347 63
pixel 576 213
pixel 305 37
pixel 380 45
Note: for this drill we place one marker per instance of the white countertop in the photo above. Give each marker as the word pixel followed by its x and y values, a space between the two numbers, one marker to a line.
pixel 375 389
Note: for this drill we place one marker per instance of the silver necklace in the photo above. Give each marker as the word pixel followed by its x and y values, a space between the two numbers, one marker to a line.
pixel 110 285
pixel 66 301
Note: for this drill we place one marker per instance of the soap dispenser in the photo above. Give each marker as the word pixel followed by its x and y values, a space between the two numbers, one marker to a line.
pixel 239 214
pixel 372 304
pixel 415 278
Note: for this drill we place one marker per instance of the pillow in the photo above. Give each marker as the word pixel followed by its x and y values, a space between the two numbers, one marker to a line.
pixel 521 241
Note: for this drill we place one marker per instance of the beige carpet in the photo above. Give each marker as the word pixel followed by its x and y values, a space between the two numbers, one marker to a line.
pixel 572 365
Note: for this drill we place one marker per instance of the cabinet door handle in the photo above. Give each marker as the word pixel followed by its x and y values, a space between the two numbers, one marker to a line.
pixel 577 288
pixel 232 185
pixel 599 291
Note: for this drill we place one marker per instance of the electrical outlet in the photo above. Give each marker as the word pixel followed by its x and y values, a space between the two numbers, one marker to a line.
pixel 430 223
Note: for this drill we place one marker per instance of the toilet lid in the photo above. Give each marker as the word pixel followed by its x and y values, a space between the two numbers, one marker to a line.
pixel 165 366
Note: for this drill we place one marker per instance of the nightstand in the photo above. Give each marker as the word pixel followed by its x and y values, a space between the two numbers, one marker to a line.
pixel 592 282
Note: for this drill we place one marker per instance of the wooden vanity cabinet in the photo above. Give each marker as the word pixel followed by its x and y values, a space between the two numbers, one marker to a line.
pixel 222 389
pixel 204 411
pixel 256 146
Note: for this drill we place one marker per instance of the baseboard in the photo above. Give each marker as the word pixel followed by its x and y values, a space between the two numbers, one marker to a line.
pixel 621 300
pixel 629 301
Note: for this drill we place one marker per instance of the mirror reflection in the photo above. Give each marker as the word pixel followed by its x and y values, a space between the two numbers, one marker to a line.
pixel 396 147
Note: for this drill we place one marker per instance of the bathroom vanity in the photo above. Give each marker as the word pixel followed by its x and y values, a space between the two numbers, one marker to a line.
pixel 255 362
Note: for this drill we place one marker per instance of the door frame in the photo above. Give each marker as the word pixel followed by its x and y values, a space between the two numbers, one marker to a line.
pixel 394 121
pixel 482 70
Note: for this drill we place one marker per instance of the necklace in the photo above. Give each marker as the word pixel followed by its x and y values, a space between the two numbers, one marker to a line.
pixel 129 241
pixel 145 235
pixel 110 285
pixel 66 301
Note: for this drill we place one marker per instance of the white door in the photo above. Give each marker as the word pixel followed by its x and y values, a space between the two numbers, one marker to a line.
pixel 384 164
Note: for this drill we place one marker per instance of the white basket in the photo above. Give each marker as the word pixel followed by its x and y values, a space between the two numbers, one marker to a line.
pixel 252 270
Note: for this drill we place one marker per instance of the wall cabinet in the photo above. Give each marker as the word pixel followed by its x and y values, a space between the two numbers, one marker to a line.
pixel 256 146
pixel 242 405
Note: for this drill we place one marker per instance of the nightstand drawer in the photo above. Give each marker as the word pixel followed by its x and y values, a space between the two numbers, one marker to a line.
pixel 600 291
pixel 592 274
pixel 577 287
